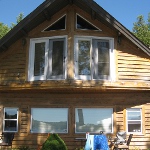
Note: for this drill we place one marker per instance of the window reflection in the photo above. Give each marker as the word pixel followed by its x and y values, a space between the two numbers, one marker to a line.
pixel 10 113
pixel 10 126
pixel 134 120
pixel 84 58
pixel 10 120
pixel 94 120
pixel 45 120
pixel 134 116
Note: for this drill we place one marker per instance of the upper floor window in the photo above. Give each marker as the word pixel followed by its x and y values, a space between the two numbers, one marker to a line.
pixel 47 58
pixel 10 121
pixel 94 58
pixel 134 120
pixel 83 24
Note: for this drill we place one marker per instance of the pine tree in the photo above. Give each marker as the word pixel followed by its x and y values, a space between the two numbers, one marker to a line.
pixel 4 29
pixel 141 29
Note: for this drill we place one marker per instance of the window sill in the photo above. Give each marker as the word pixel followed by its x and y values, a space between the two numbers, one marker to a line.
pixel 135 133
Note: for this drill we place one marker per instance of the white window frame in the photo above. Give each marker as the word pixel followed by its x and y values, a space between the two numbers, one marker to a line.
pixel 92 63
pixel 47 40
pixel 93 116
pixel 65 131
pixel 133 110
pixel 10 120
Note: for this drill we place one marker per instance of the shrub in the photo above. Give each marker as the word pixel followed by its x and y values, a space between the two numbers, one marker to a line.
pixel 54 142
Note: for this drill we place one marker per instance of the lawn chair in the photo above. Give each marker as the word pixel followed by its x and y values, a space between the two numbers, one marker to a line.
pixel 6 139
pixel 121 137
pixel 124 145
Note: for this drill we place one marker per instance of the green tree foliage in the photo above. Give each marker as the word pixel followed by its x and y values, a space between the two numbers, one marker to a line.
pixel 141 29
pixel 54 142
pixel 4 29
pixel 18 19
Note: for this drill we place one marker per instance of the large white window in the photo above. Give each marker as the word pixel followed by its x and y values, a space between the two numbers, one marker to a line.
pixel 47 58
pixel 10 121
pixel 49 120
pixel 93 120
pixel 134 120
pixel 94 58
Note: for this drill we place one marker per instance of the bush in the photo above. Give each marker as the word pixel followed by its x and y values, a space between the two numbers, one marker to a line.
pixel 54 142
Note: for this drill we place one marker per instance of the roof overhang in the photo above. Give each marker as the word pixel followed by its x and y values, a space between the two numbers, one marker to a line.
pixel 49 7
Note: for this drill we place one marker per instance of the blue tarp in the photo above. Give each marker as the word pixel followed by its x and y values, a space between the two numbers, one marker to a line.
pixel 100 142
pixel 96 142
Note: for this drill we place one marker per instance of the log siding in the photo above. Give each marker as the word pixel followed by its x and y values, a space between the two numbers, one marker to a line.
pixel 129 90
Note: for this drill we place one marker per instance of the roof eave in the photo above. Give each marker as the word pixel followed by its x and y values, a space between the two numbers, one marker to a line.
pixel 113 23
pixel 32 20
pixel 42 13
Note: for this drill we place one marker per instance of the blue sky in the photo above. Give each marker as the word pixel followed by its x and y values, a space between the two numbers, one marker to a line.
pixel 125 11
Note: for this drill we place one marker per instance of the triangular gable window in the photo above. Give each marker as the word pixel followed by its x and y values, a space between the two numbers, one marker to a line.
pixel 60 24
pixel 83 24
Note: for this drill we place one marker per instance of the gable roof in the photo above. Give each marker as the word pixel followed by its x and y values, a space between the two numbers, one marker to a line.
pixel 49 7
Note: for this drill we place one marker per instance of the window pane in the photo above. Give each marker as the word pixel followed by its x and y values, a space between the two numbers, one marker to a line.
pixel 57 58
pixel 10 113
pixel 10 125
pixel 45 120
pixel 59 25
pixel 134 126
pixel 134 109
pixel 134 115
pixel 83 24
pixel 84 58
pixel 39 61
pixel 100 121
pixel 103 57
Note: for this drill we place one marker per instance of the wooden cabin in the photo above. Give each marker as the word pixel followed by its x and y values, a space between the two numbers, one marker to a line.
pixel 70 68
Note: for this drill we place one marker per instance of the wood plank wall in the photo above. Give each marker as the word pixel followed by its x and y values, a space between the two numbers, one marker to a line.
pixel 12 63
pixel 118 101
pixel 131 64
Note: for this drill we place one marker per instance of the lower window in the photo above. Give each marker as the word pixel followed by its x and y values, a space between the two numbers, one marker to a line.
pixel 94 120
pixel 10 122
pixel 134 120
pixel 49 120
